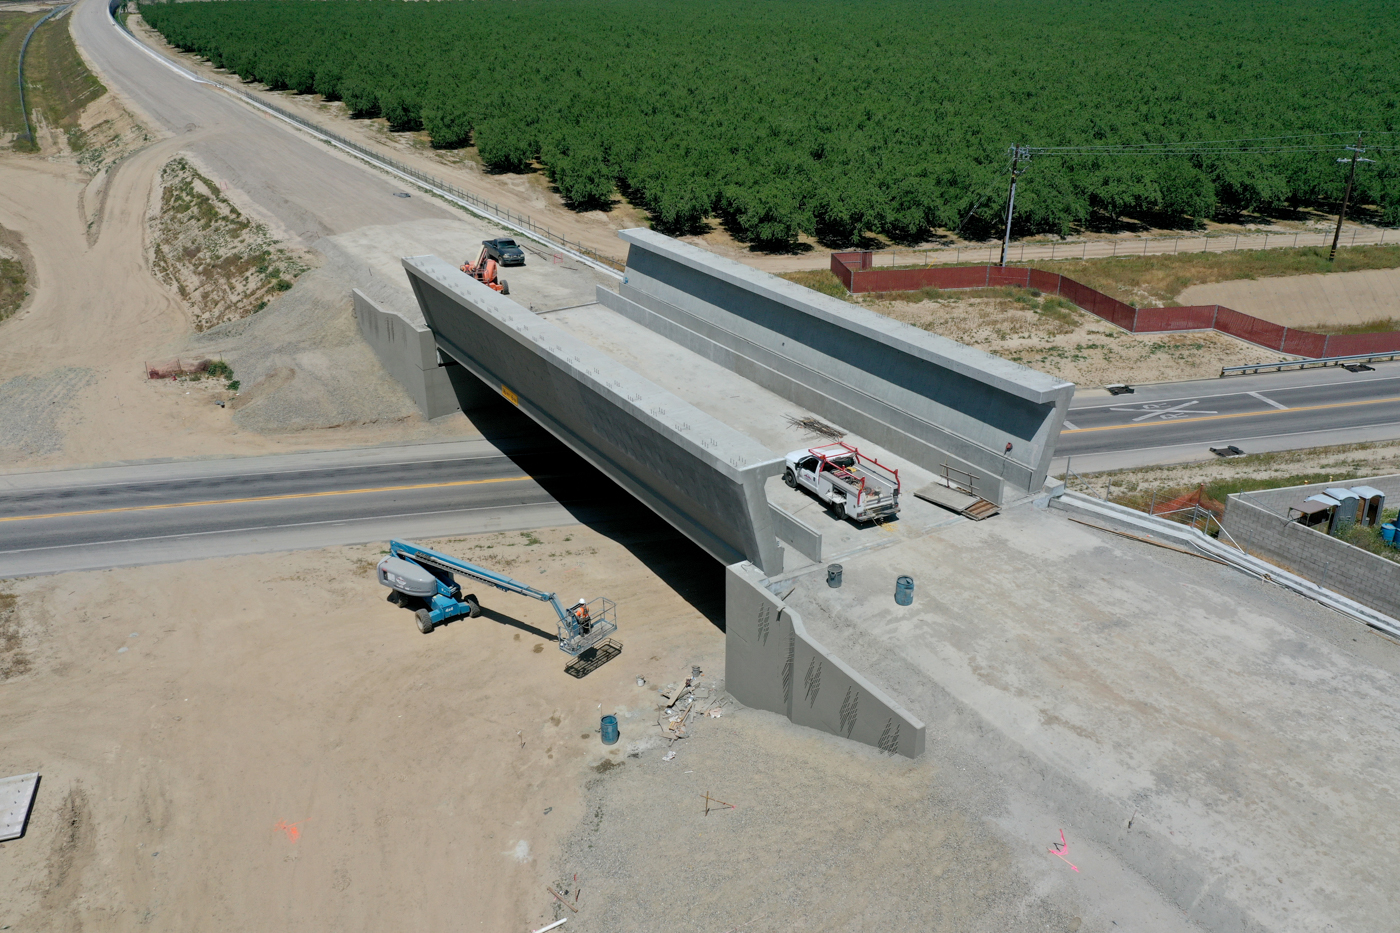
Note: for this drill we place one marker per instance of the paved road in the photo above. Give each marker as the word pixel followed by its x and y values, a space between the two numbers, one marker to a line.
pixel 1177 422
pixel 157 512
pixel 312 189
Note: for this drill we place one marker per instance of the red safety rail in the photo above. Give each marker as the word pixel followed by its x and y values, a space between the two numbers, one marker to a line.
pixel 856 272
pixel 825 458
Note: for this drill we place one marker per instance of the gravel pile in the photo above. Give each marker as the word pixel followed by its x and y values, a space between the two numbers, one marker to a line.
pixel 33 407
pixel 310 331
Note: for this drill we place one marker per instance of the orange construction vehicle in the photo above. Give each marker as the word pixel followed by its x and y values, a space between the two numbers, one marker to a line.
pixel 484 271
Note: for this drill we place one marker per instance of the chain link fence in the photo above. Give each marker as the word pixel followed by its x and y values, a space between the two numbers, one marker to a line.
pixel 1141 246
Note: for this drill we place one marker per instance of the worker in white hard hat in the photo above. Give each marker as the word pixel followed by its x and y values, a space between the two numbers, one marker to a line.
pixel 580 611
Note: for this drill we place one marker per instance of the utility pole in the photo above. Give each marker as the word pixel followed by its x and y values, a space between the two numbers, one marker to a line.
pixel 1019 154
pixel 1346 198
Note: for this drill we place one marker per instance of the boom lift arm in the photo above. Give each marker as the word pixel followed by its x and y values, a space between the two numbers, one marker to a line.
pixel 430 578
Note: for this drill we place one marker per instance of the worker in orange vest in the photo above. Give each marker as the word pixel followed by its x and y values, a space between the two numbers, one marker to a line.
pixel 580 613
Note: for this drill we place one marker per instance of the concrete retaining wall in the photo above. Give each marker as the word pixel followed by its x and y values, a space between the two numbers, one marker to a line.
pixel 804 538
pixel 772 663
pixel 410 355
pixel 926 398
pixel 699 474
pixel 1258 522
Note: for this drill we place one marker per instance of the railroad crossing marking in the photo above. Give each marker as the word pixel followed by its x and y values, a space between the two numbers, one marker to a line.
pixel 1164 411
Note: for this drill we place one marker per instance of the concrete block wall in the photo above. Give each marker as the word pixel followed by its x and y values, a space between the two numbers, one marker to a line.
pixel 1258 522
pixel 926 398
pixel 698 473
pixel 410 355
pixel 772 663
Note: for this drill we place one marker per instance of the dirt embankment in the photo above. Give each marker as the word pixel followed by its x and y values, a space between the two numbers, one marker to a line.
pixel 16 267
pixel 224 264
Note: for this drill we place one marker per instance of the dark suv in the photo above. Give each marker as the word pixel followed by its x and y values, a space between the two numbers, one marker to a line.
pixel 504 252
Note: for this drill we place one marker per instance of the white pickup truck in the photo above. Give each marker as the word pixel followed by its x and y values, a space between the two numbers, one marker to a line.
pixel 854 485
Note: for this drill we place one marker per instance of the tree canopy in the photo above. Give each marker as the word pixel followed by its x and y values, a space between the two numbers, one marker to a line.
pixel 836 117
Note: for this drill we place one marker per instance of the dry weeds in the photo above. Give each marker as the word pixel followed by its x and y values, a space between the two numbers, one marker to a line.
pixel 224 264
pixel 1050 334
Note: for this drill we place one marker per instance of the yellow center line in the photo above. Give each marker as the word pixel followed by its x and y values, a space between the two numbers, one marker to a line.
pixel 291 495
pixel 1238 414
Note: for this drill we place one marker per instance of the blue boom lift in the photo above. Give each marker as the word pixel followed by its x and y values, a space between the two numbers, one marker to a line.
pixel 426 581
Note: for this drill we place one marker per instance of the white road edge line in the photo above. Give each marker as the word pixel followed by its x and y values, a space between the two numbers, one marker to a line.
pixel 1234 439
pixel 199 478
pixel 1204 397
pixel 332 521
pixel 1269 401
pixel 472 209
pixel 1070 426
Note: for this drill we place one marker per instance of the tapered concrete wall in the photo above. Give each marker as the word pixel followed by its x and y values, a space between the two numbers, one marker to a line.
pixel 923 397
pixel 771 663
pixel 699 474
pixel 410 355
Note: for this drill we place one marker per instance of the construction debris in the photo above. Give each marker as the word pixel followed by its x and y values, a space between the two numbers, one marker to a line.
pixel 691 700
pixel 819 428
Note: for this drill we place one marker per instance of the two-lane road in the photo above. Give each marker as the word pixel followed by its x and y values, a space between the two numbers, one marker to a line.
pixel 1181 421
pixel 157 512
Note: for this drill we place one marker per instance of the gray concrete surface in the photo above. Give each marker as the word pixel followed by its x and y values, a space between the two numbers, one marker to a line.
pixel 1180 421
pixel 1259 523
pixel 1229 742
pixel 150 513
pixel 767 649
pixel 699 474
pixel 768 418
pixel 929 399
pixel 410 355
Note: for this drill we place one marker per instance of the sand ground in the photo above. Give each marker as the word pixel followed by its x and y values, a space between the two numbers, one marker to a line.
pixel 265 743
pixel 1309 301
pixel 1072 344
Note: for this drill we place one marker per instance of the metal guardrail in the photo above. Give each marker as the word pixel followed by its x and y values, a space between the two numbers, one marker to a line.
pixel 1308 363
pixel 24 108
pixel 488 209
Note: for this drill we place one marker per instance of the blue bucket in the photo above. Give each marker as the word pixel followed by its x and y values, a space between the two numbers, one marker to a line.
pixel 1388 534
pixel 904 591
pixel 609 730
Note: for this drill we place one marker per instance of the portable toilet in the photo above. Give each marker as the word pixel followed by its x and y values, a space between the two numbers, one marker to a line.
pixel 1347 504
pixel 1314 511
pixel 1372 504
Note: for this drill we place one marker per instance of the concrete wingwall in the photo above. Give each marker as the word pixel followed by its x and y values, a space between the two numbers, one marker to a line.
pixel 1259 523
pixel 699 474
pixel 772 663
pixel 409 354
pixel 926 398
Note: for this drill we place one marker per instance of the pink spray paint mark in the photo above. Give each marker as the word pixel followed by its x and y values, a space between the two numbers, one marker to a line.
pixel 293 834
pixel 1060 850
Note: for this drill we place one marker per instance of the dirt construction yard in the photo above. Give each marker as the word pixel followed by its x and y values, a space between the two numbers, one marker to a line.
pixel 265 743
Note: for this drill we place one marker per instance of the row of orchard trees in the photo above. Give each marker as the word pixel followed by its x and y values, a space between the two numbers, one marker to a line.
pixel 836 117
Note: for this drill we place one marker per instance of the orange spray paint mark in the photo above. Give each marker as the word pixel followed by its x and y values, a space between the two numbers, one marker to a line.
pixel 293 834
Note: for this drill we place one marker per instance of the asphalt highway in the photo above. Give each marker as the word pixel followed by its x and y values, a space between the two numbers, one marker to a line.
pixel 157 512
pixel 1181 421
